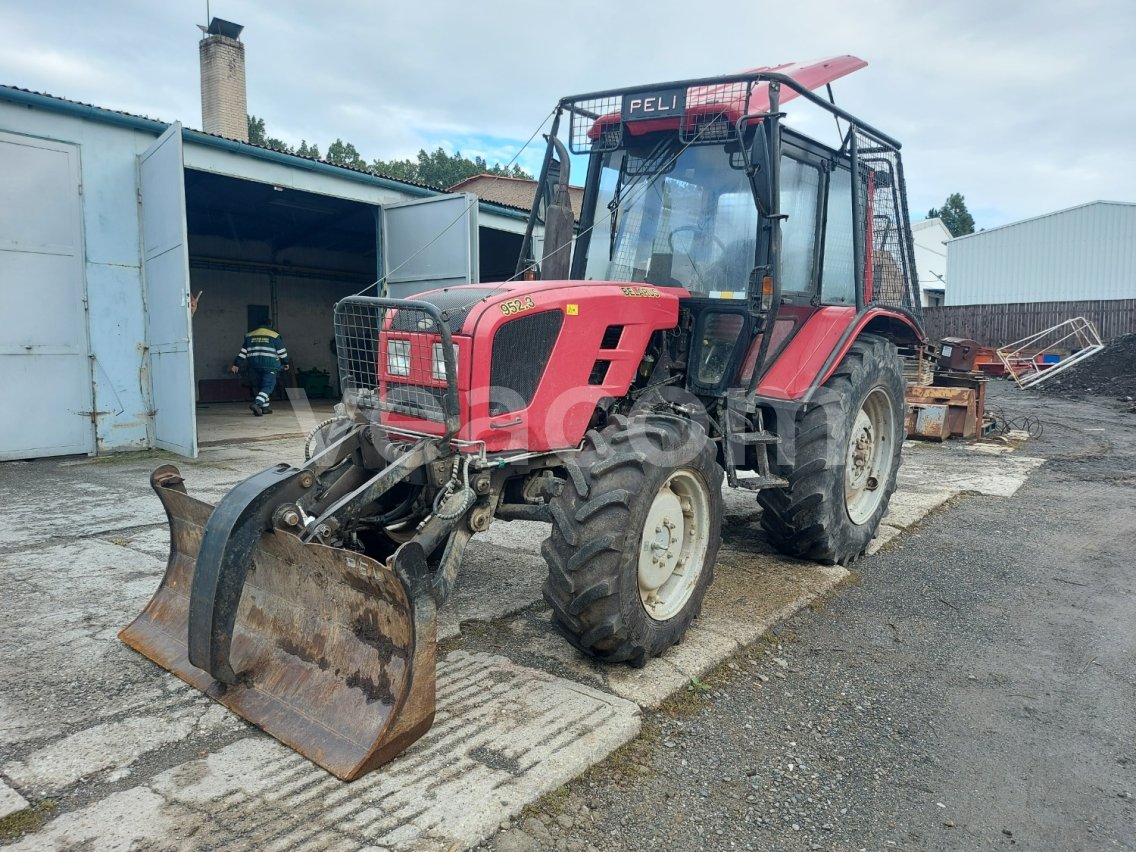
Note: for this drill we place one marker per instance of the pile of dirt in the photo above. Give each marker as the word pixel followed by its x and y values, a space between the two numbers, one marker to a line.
pixel 1111 372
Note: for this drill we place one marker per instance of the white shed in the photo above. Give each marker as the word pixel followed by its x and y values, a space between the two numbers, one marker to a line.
pixel 1084 253
pixel 930 237
pixel 109 221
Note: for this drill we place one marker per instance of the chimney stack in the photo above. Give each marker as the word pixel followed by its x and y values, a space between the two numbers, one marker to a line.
pixel 224 109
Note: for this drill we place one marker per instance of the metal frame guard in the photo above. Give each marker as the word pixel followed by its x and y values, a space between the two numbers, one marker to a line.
pixel 1020 357
pixel 362 323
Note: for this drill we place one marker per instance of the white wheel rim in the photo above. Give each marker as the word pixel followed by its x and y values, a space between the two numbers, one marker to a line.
pixel 673 545
pixel 870 456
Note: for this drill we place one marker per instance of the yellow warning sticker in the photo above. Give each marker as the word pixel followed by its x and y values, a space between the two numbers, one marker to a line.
pixel 572 310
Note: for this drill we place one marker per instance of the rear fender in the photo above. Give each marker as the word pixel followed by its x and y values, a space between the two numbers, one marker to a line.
pixel 815 351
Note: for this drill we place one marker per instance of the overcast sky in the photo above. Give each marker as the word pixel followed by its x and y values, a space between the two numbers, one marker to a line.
pixel 1023 107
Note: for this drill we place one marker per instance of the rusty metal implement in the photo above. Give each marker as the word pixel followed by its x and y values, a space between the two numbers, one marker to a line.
pixel 328 650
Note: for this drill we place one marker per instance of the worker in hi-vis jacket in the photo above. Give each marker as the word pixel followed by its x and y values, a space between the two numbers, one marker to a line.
pixel 264 354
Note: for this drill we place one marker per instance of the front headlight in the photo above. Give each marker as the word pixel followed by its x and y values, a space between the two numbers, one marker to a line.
pixel 438 361
pixel 398 357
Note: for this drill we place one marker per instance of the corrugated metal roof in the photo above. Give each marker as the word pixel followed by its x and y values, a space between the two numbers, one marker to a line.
pixel 156 124
pixel 1082 253
pixel 1043 216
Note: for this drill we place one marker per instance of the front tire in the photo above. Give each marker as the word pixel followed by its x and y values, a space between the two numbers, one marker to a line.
pixel 847 453
pixel 634 537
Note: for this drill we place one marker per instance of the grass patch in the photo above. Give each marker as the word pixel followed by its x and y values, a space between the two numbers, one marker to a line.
pixel 454 643
pixel 631 760
pixel 818 604
pixel 475 629
pixel 26 821
pixel 689 702
pixel 550 803
pixel 771 640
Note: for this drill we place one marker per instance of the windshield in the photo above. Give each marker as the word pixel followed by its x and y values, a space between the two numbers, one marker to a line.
pixel 675 217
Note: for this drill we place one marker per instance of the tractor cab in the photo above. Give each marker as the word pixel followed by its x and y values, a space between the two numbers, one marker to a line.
pixel 699 186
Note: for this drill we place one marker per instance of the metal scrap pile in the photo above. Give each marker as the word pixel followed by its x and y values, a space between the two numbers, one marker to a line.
pixel 1112 373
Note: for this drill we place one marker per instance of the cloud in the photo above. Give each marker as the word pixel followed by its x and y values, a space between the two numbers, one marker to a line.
pixel 1022 107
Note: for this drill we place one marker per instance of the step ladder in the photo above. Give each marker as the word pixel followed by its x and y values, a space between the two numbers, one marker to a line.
pixel 755 434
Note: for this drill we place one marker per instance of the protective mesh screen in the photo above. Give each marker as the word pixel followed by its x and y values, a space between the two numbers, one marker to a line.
pixel 711 112
pixel 393 357
pixel 888 246
pixel 708 114
pixel 596 125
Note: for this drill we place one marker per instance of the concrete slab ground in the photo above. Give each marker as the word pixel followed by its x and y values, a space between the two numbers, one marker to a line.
pixel 131 756
pixel 10 801
pixel 231 422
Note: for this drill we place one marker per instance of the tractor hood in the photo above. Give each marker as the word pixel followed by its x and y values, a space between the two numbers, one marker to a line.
pixel 464 306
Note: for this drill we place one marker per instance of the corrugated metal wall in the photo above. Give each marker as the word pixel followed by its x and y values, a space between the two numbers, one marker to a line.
pixel 997 325
pixel 1085 253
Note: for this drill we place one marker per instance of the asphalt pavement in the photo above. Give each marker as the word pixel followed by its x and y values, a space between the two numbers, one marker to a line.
pixel 889 694
pixel 973 686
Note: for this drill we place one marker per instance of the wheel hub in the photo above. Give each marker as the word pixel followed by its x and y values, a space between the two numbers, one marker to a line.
pixel 869 456
pixel 673 544
pixel 862 449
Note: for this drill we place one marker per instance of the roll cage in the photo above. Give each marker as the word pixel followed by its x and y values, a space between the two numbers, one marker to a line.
pixel 850 244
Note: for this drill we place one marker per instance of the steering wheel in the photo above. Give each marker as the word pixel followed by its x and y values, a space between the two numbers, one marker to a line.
pixel 693 229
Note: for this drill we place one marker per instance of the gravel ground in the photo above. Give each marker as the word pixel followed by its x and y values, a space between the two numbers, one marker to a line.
pixel 974 688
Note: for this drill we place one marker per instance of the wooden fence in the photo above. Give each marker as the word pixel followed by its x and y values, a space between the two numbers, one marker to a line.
pixel 997 325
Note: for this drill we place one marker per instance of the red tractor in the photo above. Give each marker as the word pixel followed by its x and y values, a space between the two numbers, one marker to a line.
pixel 731 306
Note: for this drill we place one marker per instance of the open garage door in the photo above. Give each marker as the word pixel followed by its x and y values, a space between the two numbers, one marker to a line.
pixel 429 243
pixel 45 371
pixel 165 264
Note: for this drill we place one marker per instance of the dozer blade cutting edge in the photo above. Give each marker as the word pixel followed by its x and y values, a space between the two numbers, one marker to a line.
pixel 333 652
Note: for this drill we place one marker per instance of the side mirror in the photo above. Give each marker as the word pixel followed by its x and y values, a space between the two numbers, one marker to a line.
pixel 559 222
pixel 759 160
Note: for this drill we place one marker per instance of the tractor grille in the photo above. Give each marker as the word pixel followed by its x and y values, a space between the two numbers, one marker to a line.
pixel 520 353
pixel 397 356
pixel 883 208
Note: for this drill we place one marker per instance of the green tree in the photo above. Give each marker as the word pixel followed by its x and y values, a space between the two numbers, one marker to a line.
pixel 442 170
pixel 954 215
pixel 437 169
pixel 306 150
pixel 256 130
pixel 259 136
pixel 344 154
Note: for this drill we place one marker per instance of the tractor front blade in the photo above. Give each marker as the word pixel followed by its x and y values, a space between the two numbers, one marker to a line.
pixel 333 652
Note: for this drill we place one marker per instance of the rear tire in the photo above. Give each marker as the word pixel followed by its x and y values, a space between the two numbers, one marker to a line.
pixel 847 454
pixel 618 590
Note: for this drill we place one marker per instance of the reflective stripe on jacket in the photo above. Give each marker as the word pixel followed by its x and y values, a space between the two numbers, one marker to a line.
pixel 263 349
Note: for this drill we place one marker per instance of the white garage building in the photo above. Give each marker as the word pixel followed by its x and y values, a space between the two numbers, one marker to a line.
pixel 1083 253
pixel 109 221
